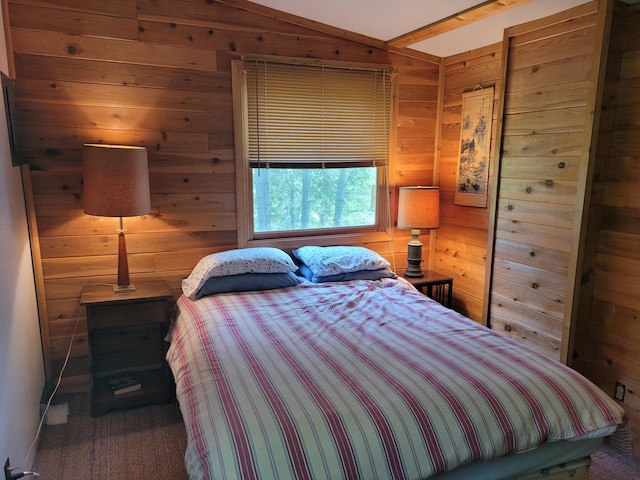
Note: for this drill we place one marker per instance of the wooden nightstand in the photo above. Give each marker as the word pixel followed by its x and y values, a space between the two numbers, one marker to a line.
pixel 439 286
pixel 126 336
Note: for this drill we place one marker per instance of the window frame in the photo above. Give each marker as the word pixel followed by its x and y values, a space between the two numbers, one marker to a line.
pixel 380 231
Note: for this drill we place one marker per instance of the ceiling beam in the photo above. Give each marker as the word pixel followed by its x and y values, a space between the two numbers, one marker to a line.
pixel 470 15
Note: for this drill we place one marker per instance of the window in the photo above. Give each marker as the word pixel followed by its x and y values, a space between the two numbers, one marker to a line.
pixel 309 199
pixel 313 152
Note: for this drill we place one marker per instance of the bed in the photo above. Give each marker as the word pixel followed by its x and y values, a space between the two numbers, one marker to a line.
pixel 350 372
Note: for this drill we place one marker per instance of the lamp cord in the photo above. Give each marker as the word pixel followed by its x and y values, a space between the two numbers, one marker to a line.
pixel 55 389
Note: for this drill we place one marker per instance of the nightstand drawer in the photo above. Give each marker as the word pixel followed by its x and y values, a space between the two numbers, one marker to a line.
pixel 126 338
pixel 118 315
pixel 112 363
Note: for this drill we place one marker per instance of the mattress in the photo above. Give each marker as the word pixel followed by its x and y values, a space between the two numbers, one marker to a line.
pixel 364 379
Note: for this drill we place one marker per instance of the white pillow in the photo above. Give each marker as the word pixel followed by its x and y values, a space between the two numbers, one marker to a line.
pixel 326 261
pixel 235 262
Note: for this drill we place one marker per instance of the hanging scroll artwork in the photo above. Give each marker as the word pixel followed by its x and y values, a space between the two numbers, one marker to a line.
pixel 475 147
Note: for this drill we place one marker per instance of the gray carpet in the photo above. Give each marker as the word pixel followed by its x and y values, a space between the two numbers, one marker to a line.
pixel 608 464
pixel 149 442
pixel 146 442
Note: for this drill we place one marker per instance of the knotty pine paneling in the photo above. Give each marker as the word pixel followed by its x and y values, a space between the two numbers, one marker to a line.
pixel 462 228
pixel 115 50
pixel 547 98
pixel 607 346
pixel 416 108
pixel 76 22
pixel 548 259
pixel 96 73
pixel 119 8
pixel 543 177
pixel 157 73
pixel 538 48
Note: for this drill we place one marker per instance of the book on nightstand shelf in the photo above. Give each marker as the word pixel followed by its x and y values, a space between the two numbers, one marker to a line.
pixel 124 383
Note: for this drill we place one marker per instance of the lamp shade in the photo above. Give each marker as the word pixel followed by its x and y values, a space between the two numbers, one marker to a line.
pixel 116 180
pixel 419 208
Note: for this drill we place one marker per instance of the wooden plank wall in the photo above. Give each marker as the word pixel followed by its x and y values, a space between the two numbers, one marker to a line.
pixel 157 73
pixel 545 150
pixel 608 349
pixel 461 245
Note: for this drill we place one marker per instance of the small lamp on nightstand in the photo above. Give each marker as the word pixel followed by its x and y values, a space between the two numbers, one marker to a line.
pixel 116 184
pixel 418 209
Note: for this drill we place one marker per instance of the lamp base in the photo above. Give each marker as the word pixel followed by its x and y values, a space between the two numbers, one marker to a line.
pixel 413 272
pixel 414 256
pixel 123 285
pixel 124 288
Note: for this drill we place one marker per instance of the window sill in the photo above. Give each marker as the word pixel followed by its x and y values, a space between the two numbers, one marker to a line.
pixel 358 238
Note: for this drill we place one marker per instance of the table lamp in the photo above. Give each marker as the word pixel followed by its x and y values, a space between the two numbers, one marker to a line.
pixel 116 184
pixel 418 209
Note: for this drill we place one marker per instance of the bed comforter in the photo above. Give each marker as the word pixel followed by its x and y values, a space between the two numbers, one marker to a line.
pixel 363 379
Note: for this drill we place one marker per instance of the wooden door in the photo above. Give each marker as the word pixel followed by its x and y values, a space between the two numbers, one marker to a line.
pixel 542 185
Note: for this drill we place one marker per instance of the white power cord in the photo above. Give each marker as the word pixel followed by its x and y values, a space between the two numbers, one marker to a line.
pixel 46 408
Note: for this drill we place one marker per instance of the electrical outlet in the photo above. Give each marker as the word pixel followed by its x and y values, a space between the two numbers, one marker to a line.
pixel 620 391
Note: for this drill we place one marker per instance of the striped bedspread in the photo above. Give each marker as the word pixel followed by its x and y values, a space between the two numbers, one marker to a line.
pixel 366 379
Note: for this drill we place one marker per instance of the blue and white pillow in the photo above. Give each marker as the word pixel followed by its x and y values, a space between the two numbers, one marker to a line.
pixel 330 261
pixel 236 262
pixel 346 276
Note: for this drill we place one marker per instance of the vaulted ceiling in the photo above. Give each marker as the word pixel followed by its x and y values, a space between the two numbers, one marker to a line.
pixel 437 27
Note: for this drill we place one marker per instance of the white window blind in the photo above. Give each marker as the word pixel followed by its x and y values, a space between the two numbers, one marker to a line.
pixel 302 116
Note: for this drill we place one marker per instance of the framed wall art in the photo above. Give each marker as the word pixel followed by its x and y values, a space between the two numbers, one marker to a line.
pixel 475 148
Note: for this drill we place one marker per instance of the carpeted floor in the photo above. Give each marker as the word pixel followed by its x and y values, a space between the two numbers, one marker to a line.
pixel 608 464
pixel 149 442
pixel 146 442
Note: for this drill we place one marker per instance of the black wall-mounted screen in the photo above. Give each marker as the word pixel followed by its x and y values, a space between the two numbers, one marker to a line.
pixel 8 92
